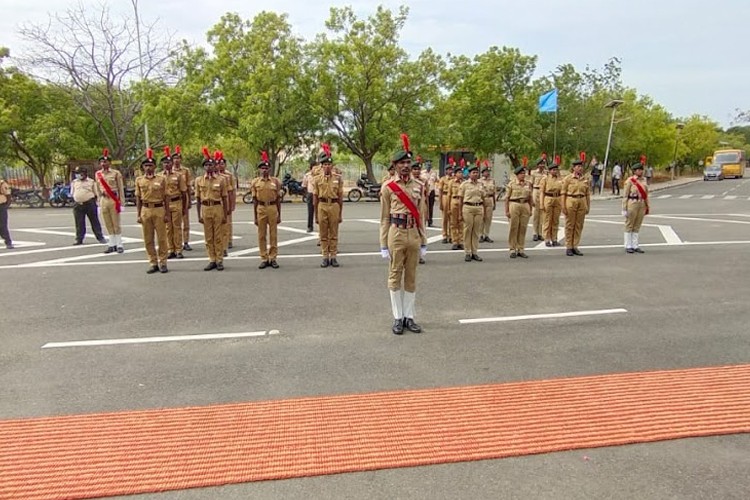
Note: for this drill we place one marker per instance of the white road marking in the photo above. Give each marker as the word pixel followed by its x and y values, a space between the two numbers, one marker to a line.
pixel 541 316
pixel 699 219
pixel 686 196
pixel 151 340
pixel 664 196
pixel 707 197
pixel 313 236
pixel 730 197
pixel 24 244
pixel 669 234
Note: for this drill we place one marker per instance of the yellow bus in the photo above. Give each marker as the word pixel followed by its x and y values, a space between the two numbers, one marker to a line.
pixel 732 162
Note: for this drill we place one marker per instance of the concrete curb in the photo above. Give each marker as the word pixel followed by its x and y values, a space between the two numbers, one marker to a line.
pixel 658 187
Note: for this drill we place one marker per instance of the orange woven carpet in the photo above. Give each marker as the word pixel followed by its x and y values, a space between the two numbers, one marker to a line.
pixel 84 456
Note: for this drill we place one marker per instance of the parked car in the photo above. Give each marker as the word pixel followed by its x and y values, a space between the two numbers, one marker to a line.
pixel 713 173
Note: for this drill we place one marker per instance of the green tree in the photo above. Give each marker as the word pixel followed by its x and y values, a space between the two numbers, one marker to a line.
pixel 367 90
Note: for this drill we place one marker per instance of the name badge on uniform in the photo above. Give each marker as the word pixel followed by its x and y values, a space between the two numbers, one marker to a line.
pixel 217 185
pixel 157 184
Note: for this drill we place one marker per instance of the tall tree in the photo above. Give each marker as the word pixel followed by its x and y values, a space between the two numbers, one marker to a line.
pixel 366 87
pixel 96 58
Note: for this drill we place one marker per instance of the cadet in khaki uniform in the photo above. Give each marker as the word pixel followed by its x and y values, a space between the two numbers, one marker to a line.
pixel 576 200
pixel 518 205
pixel 635 207
pixel 111 193
pixel 536 181
pixel 416 173
pixel 152 205
pixel 328 200
pixel 402 240
pixel 212 206
pixel 444 199
pixel 390 174
pixel 471 197
pixel 457 229
pixel 227 231
pixel 490 203
pixel 550 201
pixel 177 194
pixel 179 169
pixel 267 212
pixel 5 193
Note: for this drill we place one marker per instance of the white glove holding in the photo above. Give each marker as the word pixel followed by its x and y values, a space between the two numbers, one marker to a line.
pixel 385 253
pixel 624 213
pixel 423 250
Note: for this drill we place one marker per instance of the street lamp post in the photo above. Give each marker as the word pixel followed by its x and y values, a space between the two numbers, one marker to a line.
pixel 140 62
pixel 611 104
pixel 679 127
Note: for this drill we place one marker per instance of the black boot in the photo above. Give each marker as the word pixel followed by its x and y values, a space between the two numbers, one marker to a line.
pixel 398 327
pixel 325 263
pixel 410 325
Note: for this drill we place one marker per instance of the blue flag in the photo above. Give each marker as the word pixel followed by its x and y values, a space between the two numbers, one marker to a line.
pixel 548 102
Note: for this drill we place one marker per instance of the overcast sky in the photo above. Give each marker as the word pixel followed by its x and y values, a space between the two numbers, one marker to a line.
pixel 689 55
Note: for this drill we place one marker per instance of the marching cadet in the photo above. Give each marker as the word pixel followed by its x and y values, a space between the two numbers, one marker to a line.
pixel 635 206
pixel 457 228
pixel 402 239
pixel 111 193
pixel 267 212
pixel 152 207
pixel 471 197
pixel 444 200
pixel 328 200
pixel 576 201
pixel 185 172
pixel 536 180
pixel 429 178
pixel 178 198
pixel 550 203
pixel 227 231
pixel 518 204
pixel 212 206
pixel 5 195
pixel 490 203
pixel 416 173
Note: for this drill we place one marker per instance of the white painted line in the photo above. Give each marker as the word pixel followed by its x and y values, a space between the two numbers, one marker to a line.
pixel 664 196
pixel 541 316
pixel 732 197
pixel 686 196
pixel 699 219
pixel 707 197
pixel 433 239
pixel 247 251
pixel 24 244
pixel 670 236
pixel 151 340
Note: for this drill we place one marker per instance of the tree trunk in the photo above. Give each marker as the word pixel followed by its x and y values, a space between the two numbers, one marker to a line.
pixel 368 168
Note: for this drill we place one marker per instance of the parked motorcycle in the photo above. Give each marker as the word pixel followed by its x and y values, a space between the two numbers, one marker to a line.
pixel 60 196
pixel 27 197
pixel 365 187
pixel 290 185
pixel 129 196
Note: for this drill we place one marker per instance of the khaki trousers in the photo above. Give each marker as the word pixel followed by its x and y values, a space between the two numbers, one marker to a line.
pixel 519 219
pixel 636 213
pixel 457 233
pixel 174 228
pixel 473 225
pixel 489 209
pixel 552 209
pixel 110 215
pixel 212 217
pixel 268 219
pixel 152 223
pixel 403 245
pixel 538 218
pixel 445 207
pixel 328 226
pixel 186 227
pixel 576 208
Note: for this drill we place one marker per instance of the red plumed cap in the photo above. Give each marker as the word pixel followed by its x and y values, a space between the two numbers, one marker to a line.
pixel 643 159
pixel 150 154
pixel 166 151
pixel 206 154
pixel 486 163
pixel 405 142
pixel 264 156
pixel 177 149
pixel 462 162
pixel 557 159
pixel 544 156
pixel 451 161
pixel 525 161
pixel 326 149
pixel 582 156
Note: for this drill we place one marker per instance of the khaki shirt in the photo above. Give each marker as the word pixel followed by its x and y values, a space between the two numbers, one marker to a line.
pixel 265 190
pixel 186 174
pixel 229 178
pixel 391 204
pixel 150 189
pixel 114 180
pixel 443 184
pixel 518 191
pixel 454 186
pixel 576 186
pixel 429 179
pixel 536 180
pixel 175 184
pixel 386 178
pixel 83 191
pixel 551 186
pixel 471 192
pixel 490 188
pixel 329 186
pixel 210 188
pixel 4 192
pixel 308 182
pixel 631 194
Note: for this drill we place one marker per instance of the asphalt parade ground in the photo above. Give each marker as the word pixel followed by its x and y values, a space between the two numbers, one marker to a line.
pixel 86 333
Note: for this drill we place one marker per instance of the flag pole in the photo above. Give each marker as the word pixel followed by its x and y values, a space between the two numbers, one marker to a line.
pixel 554 148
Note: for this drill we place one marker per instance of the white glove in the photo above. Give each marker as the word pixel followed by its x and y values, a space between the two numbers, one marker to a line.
pixel 122 209
pixel 624 213
pixel 423 250
pixel 385 253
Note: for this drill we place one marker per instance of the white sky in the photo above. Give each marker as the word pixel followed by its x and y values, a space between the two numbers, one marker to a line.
pixel 688 55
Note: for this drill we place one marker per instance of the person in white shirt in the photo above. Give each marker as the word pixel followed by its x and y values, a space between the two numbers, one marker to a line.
pixel 616 176
pixel 83 191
